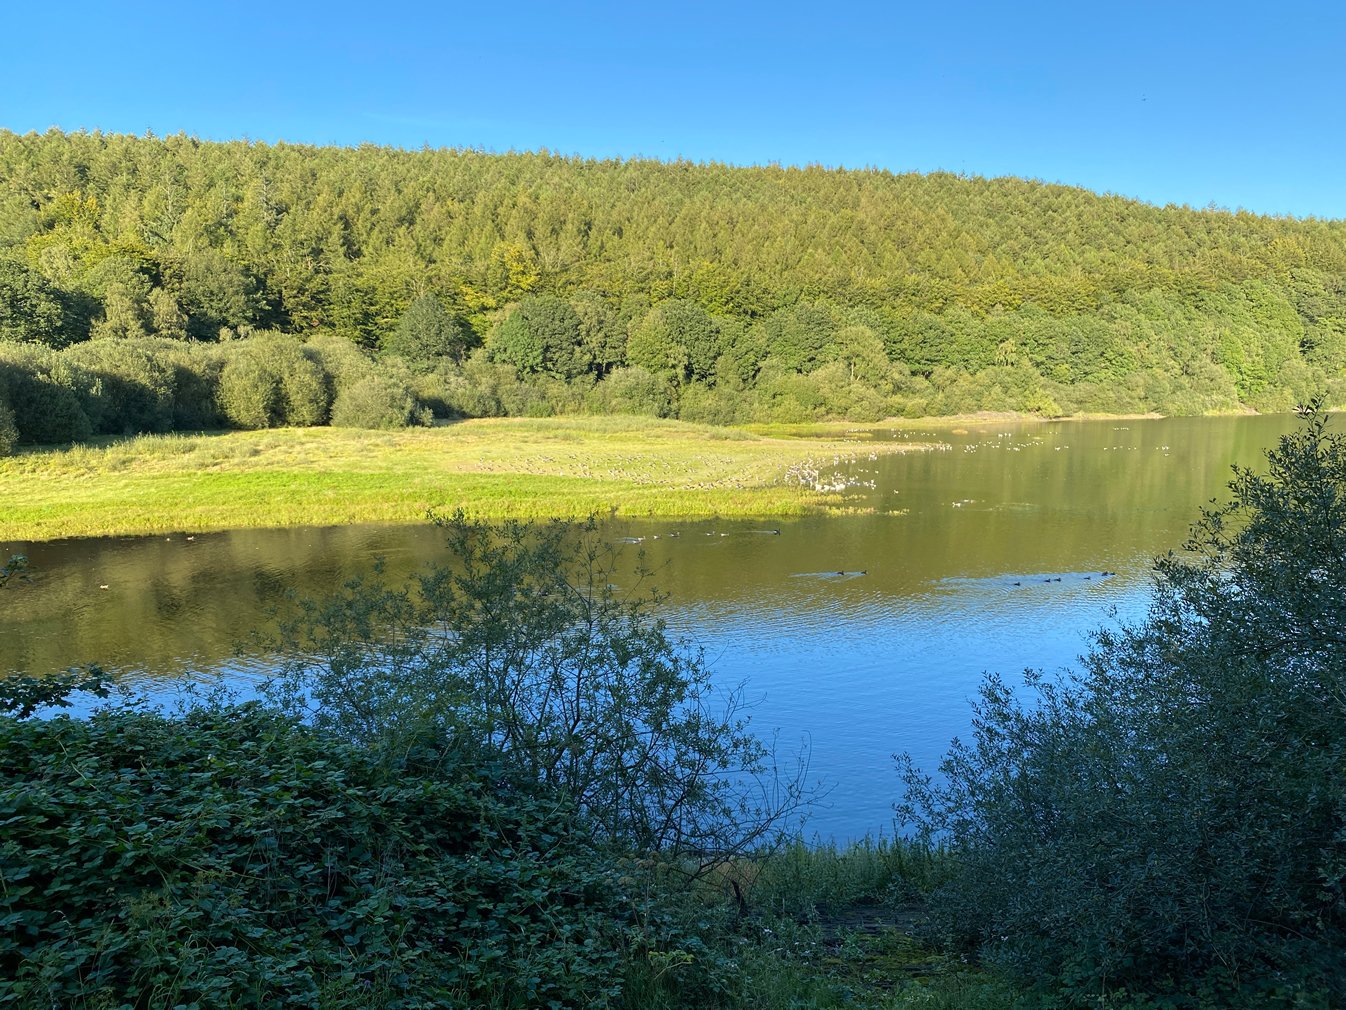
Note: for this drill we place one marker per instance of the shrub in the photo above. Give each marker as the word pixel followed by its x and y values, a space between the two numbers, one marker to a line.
pixel 476 391
pixel 1172 818
pixel 9 431
pixel 341 361
pixel 233 857
pixel 45 396
pixel 305 391
pixel 195 378
pixel 132 388
pixel 522 646
pixel 787 398
pixel 632 390
pixel 249 391
pixel 379 401
pixel 439 389
pixel 268 381
pixel 710 406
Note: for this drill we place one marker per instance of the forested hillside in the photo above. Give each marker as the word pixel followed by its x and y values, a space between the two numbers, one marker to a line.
pixel 530 283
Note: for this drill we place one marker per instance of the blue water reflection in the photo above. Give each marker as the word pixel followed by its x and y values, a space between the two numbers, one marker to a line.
pixel 863 634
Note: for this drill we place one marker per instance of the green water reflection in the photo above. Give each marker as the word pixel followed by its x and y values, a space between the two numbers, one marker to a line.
pixel 988 554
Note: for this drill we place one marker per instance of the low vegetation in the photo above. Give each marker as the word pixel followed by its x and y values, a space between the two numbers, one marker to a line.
pixel 495 468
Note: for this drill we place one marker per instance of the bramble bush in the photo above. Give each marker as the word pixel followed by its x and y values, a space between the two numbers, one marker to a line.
pixel 233 857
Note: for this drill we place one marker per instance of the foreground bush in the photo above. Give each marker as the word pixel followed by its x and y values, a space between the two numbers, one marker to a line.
pixel 235 858
pixel 521 644
pixel 1173 820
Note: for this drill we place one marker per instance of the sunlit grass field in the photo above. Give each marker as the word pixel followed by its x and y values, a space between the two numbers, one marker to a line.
pixel 491 468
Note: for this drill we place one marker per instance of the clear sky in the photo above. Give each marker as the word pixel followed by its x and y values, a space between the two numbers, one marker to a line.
pixel 1237 104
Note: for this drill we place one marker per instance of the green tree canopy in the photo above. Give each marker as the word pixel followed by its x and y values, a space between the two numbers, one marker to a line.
pixel 796 338
pixel 542 335
pixel 427 334
pixel 677 338
pixel 30 307
pixel 602 334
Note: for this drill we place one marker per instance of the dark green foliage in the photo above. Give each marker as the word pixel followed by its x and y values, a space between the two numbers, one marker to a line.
pixel 743 348
pixel 342 362
pixel 214 291
pixel 602 334
pixel 542 335
pixel 235 858
pixel 9 431
pixel 30 307
pixel 121 285
pixel 15 567
pixel 44 396
pixel 787 397
pixel 796 338
pixel 132 388
pixel 195 379
pixel 632 390
pixel 487 389
pixel 707 405
pixel 521 644
pixel 677 338
pixel 21 695
pixel 1172 819
pixel 481 389
pixel 427 334
pixel 1096 303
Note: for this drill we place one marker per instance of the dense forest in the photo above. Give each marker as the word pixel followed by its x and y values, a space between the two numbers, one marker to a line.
pixel 152 283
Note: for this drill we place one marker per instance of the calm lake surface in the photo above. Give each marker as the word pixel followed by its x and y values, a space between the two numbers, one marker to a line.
pixel 861 635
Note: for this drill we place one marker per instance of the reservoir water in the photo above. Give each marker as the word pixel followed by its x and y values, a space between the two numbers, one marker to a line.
pixel 859 634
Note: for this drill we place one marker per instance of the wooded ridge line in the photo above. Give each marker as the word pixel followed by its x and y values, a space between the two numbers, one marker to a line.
pixel 532 283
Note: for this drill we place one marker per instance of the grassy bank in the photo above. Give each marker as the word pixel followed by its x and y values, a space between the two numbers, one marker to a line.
pixel 494 468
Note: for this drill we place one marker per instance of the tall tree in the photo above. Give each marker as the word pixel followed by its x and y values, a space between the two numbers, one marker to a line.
pixel 428 334
pixel 678 338
pixel 30 307
pixel 542 335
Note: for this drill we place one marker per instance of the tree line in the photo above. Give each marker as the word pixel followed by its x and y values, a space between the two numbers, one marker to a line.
pixel 535 283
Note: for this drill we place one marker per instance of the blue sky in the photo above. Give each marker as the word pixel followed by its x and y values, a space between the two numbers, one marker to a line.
pixel 1240 105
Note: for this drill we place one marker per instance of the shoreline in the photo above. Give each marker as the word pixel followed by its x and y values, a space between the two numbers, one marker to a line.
pixel 494 468
pixel 497 468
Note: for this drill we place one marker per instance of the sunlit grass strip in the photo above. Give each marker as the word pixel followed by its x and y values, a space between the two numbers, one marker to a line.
pixel 496 468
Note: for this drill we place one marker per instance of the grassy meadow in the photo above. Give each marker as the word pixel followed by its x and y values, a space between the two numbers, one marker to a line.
pixel 492 468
